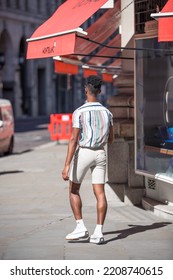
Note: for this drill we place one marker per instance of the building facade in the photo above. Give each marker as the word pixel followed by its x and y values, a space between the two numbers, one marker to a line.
pixel 35 89
pixel 32 85
pixel 27 84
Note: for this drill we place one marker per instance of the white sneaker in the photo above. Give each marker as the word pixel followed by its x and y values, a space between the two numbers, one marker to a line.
pixel 77 235
pixel 96 239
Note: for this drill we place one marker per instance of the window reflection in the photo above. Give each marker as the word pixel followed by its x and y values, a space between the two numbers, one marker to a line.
pixel 154 110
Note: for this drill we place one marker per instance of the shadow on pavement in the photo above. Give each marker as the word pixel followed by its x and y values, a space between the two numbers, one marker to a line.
pixel 22 152
pixel 31 124
pixel 10 172
pixel 126 232
pixel 17 153
pixel 134 230
pixel 79 241
pixel 85 241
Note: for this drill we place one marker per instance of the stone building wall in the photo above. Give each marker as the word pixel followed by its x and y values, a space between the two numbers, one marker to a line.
pixel 20 80
pixel 123 183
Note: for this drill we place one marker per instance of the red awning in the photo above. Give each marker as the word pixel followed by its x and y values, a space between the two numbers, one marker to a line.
pixel 99 31
pixel 117 63
pixel 57 35
pixel 89 72
pixel 165 24
pixel 65 68
pixel 107 52
pixel 107 77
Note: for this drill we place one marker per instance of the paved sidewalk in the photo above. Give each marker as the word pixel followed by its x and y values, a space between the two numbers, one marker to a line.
pixel 35 216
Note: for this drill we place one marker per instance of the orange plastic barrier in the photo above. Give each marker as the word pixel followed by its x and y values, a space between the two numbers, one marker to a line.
pixel 60 126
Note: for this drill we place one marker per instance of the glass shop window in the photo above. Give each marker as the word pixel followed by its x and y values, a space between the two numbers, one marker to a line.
pixel 154 108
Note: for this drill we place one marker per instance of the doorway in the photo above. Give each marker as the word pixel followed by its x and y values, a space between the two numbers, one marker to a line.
pixel 41 91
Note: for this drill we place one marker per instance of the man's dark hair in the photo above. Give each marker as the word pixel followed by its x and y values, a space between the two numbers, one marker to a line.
pixel 94 83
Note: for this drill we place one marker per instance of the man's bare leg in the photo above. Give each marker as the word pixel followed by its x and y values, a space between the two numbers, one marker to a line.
pixel 99 192
pixel 76 205
pixel 101 202
pixel 75 200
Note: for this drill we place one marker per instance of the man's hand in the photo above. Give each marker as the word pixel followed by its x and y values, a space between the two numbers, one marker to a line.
pixel 65 173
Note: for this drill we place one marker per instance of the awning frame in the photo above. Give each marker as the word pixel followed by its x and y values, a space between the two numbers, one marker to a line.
pixel 84 65
pixel 156 16
pixel 68 60
pixel 78 31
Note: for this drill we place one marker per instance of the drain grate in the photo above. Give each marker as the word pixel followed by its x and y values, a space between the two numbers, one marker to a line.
pixel 151 183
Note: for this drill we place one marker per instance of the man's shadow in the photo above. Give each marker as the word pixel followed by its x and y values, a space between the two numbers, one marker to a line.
pixel 134 229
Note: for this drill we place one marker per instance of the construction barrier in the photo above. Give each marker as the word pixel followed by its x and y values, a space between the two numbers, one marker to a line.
pixel 60 126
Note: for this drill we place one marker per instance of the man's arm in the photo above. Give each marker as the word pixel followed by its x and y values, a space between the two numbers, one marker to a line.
pixel 111 135
pixel 70 152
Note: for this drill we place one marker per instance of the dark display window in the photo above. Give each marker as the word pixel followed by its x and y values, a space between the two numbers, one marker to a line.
pixel 154 108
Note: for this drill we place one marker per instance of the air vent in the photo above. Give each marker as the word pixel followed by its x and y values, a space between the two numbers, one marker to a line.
pixel 151 184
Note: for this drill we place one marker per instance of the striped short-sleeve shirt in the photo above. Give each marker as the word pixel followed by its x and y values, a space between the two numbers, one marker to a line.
pixel 94 121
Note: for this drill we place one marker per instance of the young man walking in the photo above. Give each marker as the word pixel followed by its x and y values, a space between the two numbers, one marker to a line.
pixel 92 129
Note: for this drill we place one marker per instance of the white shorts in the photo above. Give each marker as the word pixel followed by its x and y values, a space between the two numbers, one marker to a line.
pixel 86 158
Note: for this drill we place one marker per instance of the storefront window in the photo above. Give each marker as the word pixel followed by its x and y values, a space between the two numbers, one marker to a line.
pixel 154 108
pixel 18 4
pixel 26 5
